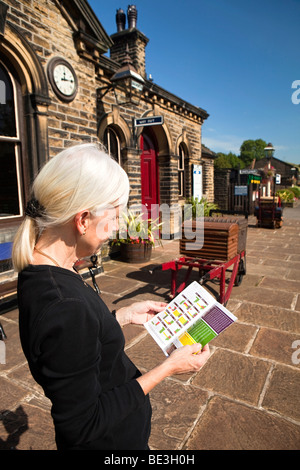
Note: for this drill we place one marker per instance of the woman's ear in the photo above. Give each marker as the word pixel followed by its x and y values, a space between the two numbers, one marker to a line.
pixel 82 221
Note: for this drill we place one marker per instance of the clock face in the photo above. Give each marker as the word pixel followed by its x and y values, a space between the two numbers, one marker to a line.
pixel 62 78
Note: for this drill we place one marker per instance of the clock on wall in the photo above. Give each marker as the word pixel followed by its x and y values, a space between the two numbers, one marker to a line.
pixel 62 78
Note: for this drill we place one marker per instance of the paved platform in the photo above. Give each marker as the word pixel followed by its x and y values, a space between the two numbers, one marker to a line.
pixel 247 394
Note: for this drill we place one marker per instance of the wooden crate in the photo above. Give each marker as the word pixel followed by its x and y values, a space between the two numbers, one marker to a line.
pixel 242 224
pixel 220 240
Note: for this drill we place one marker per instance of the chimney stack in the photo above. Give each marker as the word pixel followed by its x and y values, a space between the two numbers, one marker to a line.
pixel 132 38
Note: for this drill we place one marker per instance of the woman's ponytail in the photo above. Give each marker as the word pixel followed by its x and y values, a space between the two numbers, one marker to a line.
pixel 24 243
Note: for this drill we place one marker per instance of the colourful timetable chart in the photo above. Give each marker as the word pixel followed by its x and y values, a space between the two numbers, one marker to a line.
pixel 194 316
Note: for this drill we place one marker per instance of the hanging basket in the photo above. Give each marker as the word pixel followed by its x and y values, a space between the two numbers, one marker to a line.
pixel 136 252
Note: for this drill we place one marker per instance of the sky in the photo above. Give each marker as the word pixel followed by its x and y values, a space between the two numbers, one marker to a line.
pixel 237 59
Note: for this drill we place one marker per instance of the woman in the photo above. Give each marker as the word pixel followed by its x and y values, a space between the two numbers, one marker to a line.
pixel 74 345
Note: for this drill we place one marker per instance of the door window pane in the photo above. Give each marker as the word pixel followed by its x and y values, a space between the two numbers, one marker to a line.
pixel 181 163
pixel 112 143
pixel 7 107
pixel 9 193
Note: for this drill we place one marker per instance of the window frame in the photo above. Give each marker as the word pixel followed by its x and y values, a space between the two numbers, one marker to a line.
pixel 17 148
pixel 182 155
pixel 107 133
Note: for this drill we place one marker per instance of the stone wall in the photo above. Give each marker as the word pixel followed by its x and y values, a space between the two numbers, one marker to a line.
pixel 50 35
pixel 221 185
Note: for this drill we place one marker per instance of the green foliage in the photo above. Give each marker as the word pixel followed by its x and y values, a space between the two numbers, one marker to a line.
pixel 229 160
pixel 296 191
pixel 194 208
pixel 286 195
pixel 252 149
pixel 137 230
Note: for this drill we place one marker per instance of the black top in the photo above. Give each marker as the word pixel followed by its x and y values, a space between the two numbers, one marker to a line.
pixel 75 351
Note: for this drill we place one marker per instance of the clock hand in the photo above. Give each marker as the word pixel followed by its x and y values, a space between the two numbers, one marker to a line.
pixel 64 79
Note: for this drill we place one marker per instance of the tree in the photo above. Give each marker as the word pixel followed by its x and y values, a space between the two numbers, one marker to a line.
pixel 229 160
pixel 252 149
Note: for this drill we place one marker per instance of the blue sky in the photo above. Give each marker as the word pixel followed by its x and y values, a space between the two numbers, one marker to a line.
pixel 237 59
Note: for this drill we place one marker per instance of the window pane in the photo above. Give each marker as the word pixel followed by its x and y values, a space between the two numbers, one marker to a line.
pixel 111 142
pixel 181 158
pixel 9 196
pixel 7 108
pixel 114 148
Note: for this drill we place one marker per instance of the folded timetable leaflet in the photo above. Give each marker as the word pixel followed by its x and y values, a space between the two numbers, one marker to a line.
pixel 194 316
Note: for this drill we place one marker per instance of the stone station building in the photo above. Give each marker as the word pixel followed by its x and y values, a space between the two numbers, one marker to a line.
pixel 59 87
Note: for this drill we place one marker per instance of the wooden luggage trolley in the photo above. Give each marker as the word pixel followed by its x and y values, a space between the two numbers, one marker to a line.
pixel 269 212
pixel 224 247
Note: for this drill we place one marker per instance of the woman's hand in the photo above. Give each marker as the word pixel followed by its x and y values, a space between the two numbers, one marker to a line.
pixel 183 360
pixel 139 312
pixel 188 359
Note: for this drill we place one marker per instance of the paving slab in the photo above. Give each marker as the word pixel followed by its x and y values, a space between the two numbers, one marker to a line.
pixel 280 284
pixel 276 345
pixel 229 425
pixel 17 423
pixel 176 407
pixel 234 375
pixel 268 297
pixel 239 337
pixel 282 395
pixel 269 316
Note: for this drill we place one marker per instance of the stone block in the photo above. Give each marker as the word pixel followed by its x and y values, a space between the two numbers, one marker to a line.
pixel 236 337
pixel 146 354
pixel 245 428
pixel 269 316
pixel 263 296
pixel 281 284
pixel 275 345
pixel 282 395
pixel 175 408
pixel 10 394
pixel 235 375
pixel 27 428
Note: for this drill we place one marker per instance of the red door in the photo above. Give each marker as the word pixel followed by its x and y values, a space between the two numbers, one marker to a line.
pixel 149 175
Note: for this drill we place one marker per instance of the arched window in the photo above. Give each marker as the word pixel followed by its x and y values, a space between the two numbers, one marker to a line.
pixel 181 168
pixel 10 158
pixel 112 143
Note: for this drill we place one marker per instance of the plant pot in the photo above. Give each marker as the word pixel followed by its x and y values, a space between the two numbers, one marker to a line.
pixel 136 252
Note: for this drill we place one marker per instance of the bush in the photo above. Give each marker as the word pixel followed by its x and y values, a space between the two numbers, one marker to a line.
pixel 195 208
pixel 296 191
pixel 286 195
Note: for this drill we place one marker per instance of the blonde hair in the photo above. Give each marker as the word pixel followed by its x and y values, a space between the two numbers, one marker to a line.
pixel 81 177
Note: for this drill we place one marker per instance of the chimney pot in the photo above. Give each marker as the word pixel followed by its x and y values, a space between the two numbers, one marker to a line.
pixel 132 16
pixel 120 20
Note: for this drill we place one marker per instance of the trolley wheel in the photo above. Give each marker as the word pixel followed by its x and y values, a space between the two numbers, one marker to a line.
pixel 240 273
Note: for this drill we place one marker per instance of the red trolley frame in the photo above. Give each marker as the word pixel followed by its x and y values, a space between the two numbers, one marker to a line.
pixel 212 269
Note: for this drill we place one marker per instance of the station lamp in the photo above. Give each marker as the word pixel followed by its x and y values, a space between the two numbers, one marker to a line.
pixel 128 85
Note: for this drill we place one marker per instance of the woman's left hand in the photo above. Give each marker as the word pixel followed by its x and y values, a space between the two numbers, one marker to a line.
pixel 139 312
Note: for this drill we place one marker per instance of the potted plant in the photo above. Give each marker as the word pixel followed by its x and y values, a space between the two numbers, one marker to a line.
pixel 287 197
pixel 137 237
pixel 194 208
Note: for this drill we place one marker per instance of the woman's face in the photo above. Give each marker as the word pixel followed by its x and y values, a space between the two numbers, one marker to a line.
pixel 100 228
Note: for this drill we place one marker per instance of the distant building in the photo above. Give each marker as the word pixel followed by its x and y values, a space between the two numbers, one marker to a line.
pixel 289 173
